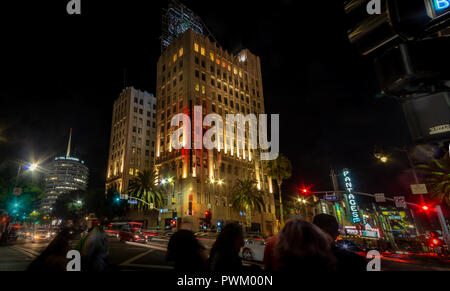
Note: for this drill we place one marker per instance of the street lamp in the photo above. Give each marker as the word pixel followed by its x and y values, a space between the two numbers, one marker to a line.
pixel 32 167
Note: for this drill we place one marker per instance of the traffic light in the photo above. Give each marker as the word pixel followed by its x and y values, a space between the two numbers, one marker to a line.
pixel 4 219
pixel 434 241
pixel 173 223
pixel 400 38
pixel 425 208
pixel 398 20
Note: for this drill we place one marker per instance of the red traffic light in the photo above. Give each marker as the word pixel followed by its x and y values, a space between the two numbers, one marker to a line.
pixel 435 242
pixel 304 190
pixel 425 208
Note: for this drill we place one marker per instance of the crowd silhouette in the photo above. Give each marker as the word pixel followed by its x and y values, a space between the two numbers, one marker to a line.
pixel 299 247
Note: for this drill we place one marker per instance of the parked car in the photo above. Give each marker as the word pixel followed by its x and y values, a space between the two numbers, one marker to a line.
pixel 253 249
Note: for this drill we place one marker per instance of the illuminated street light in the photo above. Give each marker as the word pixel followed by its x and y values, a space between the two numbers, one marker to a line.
pixel 32 167
pixel 220 182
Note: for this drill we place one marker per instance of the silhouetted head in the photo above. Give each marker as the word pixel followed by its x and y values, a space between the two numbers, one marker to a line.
pixel 186 252
pixel 328 224
pixel 182 242
pixel 231 239
pixel 304 245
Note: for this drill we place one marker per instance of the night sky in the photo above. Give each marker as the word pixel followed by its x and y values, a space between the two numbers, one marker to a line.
pixel 60 72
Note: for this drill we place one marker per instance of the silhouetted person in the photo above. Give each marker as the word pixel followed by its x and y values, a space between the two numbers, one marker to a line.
pixel 53 258
pixel 224 255
pixel 346 261
pixel 271 263
pixel 186 252
pixel 94 251
pixel 303 247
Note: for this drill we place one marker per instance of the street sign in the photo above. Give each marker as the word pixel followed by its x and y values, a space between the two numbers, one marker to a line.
pixel 400 202
pixel 419 189
pixel 380 198
pixel 331 198
pixel 134 202
pixel 17 191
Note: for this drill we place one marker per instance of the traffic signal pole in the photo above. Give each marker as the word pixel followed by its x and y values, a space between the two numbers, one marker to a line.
pixel 444 226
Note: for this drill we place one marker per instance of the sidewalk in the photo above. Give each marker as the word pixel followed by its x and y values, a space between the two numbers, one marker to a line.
pixel 13 260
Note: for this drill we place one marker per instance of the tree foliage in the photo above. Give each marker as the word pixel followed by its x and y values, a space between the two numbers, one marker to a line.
pixel 437 177
pixel 145 187
pixel 247 198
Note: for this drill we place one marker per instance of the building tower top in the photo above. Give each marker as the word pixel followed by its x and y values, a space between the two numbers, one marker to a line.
pixel 68 144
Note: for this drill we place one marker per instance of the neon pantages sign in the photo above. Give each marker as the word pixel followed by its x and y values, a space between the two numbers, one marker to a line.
pixel 351 197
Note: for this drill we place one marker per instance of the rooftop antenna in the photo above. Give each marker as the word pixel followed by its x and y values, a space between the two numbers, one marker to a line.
pixel 68 145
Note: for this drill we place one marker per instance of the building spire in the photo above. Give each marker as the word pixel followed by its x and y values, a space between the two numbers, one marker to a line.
pixel 68 145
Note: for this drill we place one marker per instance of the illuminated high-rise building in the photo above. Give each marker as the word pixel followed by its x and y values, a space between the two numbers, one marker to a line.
pixel 194 71
pixel 133 133
pixel 66 173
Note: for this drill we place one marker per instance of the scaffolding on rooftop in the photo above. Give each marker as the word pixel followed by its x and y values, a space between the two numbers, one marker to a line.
pixel 176 19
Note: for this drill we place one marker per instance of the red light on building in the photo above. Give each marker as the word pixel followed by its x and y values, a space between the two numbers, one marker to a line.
pixel 4 219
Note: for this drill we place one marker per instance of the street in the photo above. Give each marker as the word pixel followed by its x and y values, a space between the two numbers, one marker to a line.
pixel 129 256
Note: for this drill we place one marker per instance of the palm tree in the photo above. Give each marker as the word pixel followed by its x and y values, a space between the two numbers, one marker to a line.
pixel 437 176
pixel 145 187
pixel 279 170
pixel 247 197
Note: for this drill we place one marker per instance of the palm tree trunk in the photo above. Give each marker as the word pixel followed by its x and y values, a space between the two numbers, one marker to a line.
pixel 281 204
pixel 249 219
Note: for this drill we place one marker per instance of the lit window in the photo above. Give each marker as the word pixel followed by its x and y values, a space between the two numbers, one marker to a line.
pixel 197 87
pixel 203 90
pixel 180 53
pixel 196 47
pixel 235 71
pixel 131 171
pixel 218 61
pixel 211 56
pixel 174 58
pixel 240 73
pixel 203 51
pixel 229 68
pixel 224 64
